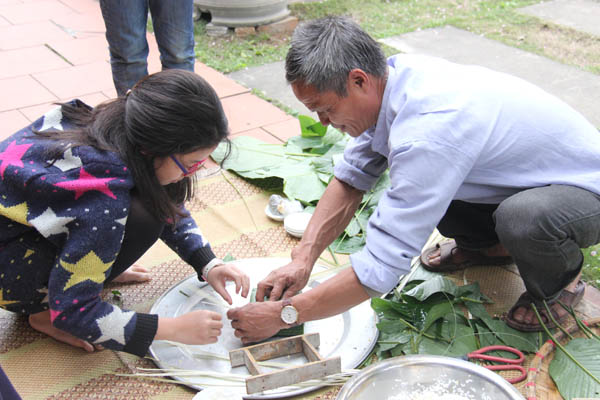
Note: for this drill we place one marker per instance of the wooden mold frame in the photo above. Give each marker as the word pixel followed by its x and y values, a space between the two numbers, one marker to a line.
pixel 316 368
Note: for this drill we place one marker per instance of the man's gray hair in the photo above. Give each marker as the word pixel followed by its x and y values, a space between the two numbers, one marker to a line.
pixel 324 51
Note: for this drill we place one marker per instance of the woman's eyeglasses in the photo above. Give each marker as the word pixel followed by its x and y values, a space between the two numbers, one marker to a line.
pixel 191 170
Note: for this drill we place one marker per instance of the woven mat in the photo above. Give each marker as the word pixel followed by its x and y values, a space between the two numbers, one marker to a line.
pixel 230 212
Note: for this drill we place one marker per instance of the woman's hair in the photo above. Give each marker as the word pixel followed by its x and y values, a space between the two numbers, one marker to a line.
pixel 170 112
pixel 324 51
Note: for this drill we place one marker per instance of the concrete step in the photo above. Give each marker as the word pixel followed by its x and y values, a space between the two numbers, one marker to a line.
pixel 581 15
pixel 578 88
pixel 270 80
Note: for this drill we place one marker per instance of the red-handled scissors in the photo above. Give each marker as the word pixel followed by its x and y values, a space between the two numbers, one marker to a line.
pixel 508 364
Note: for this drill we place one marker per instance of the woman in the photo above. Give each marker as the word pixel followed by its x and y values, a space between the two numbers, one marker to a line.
pixel 85 192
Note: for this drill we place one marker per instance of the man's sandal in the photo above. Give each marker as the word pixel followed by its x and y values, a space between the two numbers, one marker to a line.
pixel 570 299
pixel 448 247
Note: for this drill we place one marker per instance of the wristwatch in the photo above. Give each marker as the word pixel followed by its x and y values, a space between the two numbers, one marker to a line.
pixel 289 314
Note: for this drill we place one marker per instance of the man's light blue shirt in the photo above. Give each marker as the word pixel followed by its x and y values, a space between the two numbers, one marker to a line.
pixel 455 132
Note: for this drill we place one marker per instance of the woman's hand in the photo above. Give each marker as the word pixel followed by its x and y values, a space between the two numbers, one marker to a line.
pixel 135 273
pixel 196 327
pixel 219 275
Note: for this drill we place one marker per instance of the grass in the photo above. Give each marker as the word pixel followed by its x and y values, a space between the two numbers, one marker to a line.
pixel 494 19
pixel 498 20
pixel 591 265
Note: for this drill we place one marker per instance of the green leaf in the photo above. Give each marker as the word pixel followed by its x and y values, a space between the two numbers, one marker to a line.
pixel 571 381
pixel 464 341
pixel 333 136
pixel 323 164
pixel 382 184
pixel 399 350
pixel 434 285
pixel 310 127
pixel 228 257
pixel 358 223
pixel 471 291
pixel 305 187
pixel 421 274
pixel 310 209
pixel 350 245
pixel 249 154
pixel 438 311
pixel 391 309
pixel 525 341
pixel 305 143
pixel 392 327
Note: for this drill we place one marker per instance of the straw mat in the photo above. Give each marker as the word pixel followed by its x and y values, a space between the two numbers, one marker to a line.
pixel 230 212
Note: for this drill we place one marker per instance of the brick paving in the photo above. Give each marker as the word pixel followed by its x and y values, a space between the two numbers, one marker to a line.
pixel 55 50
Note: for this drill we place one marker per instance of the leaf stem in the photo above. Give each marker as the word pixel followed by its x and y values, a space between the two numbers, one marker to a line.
pixel 561 347
pixel 427 335
pixel 555 321
pixel 471 300
pixel 302 154
pixel 333 255
pixel 583 327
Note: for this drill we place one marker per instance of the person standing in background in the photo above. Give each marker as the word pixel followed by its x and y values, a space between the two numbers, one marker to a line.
pixel 126 21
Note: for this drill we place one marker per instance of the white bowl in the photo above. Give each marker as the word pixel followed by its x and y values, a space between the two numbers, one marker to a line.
pixel 295 224
pixel 270 214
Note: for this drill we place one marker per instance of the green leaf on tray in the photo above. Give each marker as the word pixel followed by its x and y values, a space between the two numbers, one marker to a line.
pixel 572 382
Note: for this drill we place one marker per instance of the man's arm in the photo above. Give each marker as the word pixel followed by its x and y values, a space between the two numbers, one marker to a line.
pixel 258 321
pixel 333 213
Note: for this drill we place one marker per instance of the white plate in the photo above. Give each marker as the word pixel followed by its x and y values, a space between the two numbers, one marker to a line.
pixel 274 217
pixel 295 224
pixel 350 335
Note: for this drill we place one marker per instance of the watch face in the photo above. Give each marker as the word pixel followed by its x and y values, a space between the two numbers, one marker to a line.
pixel 289 314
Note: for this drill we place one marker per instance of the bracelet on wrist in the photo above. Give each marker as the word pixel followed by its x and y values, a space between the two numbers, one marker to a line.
pixel 211 264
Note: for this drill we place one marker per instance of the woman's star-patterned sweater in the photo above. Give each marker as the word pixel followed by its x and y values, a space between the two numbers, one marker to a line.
pixel 61 229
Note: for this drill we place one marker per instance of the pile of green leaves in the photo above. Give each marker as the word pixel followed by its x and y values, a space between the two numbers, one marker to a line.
pixel 301 169
pixel 432 315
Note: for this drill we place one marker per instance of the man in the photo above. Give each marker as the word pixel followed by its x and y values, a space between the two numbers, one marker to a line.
pixel 494 162
pixel 126 21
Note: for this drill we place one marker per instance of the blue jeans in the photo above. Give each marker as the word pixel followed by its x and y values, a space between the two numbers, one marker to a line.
pixel 126 21
pixel 543 228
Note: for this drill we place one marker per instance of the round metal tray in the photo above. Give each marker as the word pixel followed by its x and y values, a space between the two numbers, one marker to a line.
pixel 408 377
pixel 350 335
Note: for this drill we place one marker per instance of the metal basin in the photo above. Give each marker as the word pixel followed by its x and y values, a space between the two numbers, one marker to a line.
pixel 427 377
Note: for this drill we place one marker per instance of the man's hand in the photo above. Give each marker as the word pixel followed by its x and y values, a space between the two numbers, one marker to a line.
pixel 284 282
pixel 256 321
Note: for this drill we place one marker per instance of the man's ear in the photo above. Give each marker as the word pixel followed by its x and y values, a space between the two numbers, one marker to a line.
pixel 358 78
